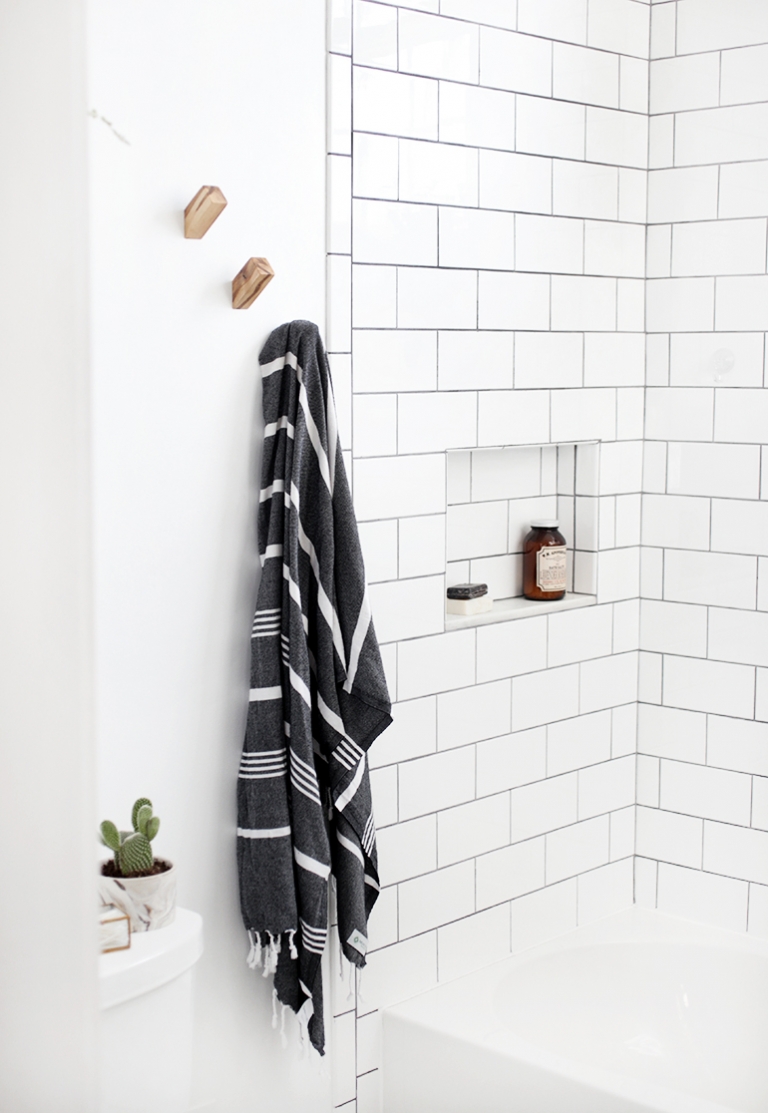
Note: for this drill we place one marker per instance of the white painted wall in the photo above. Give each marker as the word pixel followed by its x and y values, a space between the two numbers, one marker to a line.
pixel 230 94
pixel 47 929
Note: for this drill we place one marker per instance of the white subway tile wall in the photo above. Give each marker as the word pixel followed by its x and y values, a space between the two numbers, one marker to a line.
pixel 548 224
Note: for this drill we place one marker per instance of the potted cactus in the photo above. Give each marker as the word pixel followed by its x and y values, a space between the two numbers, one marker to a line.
pixel 142 886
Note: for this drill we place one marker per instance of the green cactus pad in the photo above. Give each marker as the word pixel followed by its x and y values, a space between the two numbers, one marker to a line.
pixel 135 854
pixel 143 816
pixel 142 800
pixel 153 827
pixel 110 836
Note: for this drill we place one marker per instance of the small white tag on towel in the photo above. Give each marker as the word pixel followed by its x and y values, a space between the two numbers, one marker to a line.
pixel 358 941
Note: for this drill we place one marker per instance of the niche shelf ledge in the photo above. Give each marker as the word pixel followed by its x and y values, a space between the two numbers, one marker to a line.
pixel 505 610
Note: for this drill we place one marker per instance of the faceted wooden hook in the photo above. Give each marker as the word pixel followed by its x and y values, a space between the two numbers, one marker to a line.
pixel 250 281
pixel 207 204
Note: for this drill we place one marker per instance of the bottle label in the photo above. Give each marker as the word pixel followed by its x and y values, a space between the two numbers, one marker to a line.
pixel 550 568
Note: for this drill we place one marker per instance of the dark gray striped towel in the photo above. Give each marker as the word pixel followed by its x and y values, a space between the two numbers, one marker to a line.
pixel 318 693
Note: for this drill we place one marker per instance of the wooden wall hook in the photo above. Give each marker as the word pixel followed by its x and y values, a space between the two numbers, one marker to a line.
pixel 250 281
pixel 207 204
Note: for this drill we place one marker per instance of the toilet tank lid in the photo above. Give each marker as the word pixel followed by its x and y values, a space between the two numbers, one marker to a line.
pixel 154 958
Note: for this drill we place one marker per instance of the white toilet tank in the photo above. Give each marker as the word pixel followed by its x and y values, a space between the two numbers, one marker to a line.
pixel 146 997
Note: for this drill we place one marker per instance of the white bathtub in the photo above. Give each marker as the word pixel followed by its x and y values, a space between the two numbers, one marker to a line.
pixel 640 1012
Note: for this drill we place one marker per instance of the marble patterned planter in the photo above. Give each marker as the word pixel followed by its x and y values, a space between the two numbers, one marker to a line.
pixel 150 902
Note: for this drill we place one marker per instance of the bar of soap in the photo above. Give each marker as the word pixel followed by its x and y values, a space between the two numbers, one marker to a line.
pixel 466 591
pixel 114 929
pixel 479 605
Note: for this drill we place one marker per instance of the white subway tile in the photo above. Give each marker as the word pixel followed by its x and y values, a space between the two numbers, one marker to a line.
pixel 633 195
pixel 522 183
pixel 630 304
pixel 614 249
pixel 583 415
pixel 633 84
pixel 477 117
pixel 472 829
pixel 707 25
pixel 341 374
pixel 544 697
pixel 548 359
pixel 476 360
pixel 472 714
pixel 412 733
pixel 554 19
pixel 498 13
pixel 522 512
pixel 384 795
pixel 374 297
pixel 657 359
pixel 620 138
pixel 375 424
pixel 510 473
pixel 339 289
pixel 502 574
pixel 721 135
pixel 547 127
pixel 606 891
pixel 343 1080
pixel 408 608
pixel 585 76
pixel 511 761
pixel 549 243
pixel 375 35
pixel 476 238
pixel 736 852
pixel 621 467
pixel 648 777
pixel 433 422
pixel 394 104
pixel 723 689
pixel 340 26
pixel 682 83
pixel 760 803
pixel 758 911
pixel 680 304
pixel 436 898
pixel 626 625
pixel 339 186
pixel 518 62
pixel 667 732
pixel 663 30
pixel 339 111
pixel 658 251
pixel 673 628
pixel 510 872
pixel 369 1041
pixel 702 359
pixel 580 847
pixel 476 529
pixel 511 648
pixel 726 470
pixel 378 541
pixel 645 882
pixel 369 1086
pixel 546 914
pixel 579 635
pixel 719 247
pixel 744 189
pixel 585 189
pixel 651 573
pixel 614 359
pixel 457 949
pixel 438 781
pixel 661 141
pixel 428 298
pixel 740 636
pixel 438 664
pixel 702 791
pixel 583 304
pixel 607 682
pixel 575 743
pixel 649 677
pixel 741 415
pixel 422 545
pixel 679 414
pixel 437 172
pixel 619 25
pixel 682 194
pixel 669 837
pixel 375 166
pixel 607 787
pixel 543 807
pixel 407 849
pixel 389 487
pixel 718 579
pixel 389 662
pixel 704 897
pixel 509 301
pixel 437 47
pixel 394 360
pixel 737 744
pixel 506 418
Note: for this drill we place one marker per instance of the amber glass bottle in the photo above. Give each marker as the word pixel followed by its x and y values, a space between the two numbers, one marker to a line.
pixel 544 561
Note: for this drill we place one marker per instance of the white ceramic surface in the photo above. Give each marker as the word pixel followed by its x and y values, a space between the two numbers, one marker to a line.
pixel 638 1013
pixel 149 901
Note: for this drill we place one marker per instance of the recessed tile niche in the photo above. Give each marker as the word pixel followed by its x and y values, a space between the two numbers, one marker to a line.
pixel 492 496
